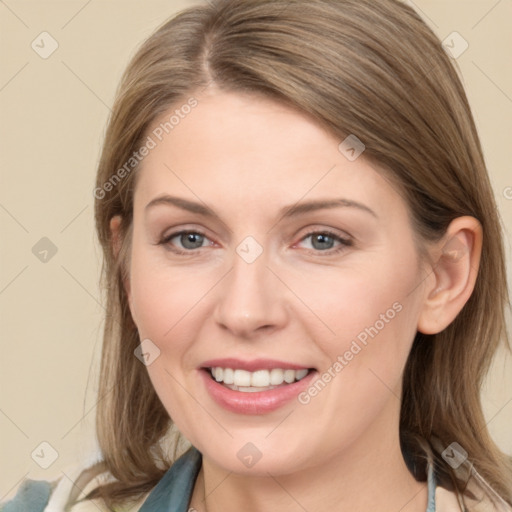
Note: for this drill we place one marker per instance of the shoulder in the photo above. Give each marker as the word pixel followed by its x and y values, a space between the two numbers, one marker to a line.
pixel 65 494
pixel 449 501
pixel 68 492
pixel 31 495
pixel 477 497
pixel 69 495
pixel 481 497
pixel 78 503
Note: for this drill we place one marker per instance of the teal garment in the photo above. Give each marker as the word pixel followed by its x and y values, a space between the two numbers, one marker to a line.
pixel 432 484
pixel 171 494
pixel 32 496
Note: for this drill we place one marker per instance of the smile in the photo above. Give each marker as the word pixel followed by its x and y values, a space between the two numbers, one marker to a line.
pixel 254 387
pixel 260 380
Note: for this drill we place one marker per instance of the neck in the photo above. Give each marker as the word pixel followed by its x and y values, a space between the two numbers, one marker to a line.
pixel 369 475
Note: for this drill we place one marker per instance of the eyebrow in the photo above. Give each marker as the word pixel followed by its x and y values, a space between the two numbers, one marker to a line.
pixel 286 212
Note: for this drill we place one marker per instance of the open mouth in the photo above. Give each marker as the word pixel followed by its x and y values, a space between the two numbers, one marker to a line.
pixel 257 381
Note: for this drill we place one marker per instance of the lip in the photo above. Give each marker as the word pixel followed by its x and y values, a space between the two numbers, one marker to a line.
pixel 259 402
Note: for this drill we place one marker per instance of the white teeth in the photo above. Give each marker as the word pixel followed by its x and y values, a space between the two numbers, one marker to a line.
pixel 300 374
pixel 289 376
pixel 228 376
pixel 260 379
pixel 276 376
pixel 242 380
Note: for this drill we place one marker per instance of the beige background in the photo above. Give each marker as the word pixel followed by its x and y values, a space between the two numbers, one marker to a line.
pixel 53 114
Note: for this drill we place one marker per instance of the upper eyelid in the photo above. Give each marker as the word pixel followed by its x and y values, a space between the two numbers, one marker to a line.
pixel 329 232
pixel 167 238
pixel 343 240
pixel 312 231
pixel 228 231
pixel 337 233
pixel 172 232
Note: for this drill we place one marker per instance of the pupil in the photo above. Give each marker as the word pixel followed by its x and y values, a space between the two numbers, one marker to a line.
pixel 322 241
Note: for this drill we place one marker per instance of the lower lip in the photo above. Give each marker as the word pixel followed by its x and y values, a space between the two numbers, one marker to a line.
pixel 259 402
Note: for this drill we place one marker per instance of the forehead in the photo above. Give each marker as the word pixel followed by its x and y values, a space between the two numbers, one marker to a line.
pixel 241 147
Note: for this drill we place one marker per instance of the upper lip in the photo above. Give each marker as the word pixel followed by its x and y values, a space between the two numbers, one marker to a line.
pixel 252 365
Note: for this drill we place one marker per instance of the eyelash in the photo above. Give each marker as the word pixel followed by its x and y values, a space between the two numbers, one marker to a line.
pixel 166 241
pixel 344 243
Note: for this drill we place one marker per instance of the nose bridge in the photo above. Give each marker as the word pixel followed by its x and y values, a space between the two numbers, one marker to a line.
pixel 251 298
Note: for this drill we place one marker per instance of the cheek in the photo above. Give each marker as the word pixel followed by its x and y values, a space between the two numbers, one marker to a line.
pixel 373 315
pixel 368 301
pixel 165 303
pixel 371 311
pixel 162 298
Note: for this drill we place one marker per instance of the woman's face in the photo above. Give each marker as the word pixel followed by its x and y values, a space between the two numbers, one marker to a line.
pixel 262 249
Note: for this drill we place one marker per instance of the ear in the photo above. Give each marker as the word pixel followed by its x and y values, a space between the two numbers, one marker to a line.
pixel 456 259
pixel 117 241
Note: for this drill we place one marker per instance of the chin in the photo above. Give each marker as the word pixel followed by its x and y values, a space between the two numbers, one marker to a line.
pixel 260 456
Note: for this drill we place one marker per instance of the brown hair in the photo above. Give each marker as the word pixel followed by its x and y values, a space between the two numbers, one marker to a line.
pixel 373 69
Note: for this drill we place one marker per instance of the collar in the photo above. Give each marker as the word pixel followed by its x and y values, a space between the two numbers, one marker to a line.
pixel 173 492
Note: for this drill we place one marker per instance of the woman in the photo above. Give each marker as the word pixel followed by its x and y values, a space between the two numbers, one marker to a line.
pixel 304 268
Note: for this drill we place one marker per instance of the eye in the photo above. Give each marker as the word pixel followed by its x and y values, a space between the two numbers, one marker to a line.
pixel 186 241
pixel 325 241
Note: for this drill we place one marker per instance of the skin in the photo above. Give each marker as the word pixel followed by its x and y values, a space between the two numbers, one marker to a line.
pixel 247 157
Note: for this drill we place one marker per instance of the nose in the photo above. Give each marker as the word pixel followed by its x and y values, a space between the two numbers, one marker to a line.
pixel 251 300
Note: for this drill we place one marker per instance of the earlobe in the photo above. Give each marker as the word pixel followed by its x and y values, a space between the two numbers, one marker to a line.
pixel 456 260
